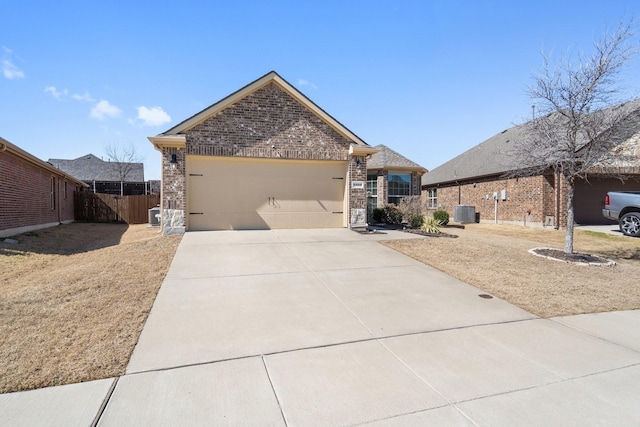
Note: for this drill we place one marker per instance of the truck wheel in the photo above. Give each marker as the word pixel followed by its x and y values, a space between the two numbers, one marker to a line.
pixel 630 224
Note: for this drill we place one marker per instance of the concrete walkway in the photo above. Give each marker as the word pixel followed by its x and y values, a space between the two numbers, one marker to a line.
pixel 328 327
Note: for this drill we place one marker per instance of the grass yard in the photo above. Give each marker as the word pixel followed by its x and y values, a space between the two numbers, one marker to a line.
pixel 73 300
pixel 494 258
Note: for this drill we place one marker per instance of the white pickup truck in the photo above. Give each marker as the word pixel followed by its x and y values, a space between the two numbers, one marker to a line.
pixel 624 207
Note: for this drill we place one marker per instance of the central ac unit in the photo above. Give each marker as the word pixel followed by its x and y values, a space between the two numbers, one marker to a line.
pixel 464 214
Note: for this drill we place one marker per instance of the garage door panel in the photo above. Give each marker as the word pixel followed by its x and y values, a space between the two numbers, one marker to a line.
pixel 232 193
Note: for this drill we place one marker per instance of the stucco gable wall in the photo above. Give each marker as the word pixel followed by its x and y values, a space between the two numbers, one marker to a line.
pixel 268 123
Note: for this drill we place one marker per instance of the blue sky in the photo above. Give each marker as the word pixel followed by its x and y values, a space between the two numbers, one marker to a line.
pixel 429 79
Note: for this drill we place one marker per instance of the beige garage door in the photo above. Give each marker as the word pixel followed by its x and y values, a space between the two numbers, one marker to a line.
pixel 235 194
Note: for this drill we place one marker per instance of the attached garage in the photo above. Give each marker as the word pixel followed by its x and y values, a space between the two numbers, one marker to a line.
pixel 237 194
pixel 265 157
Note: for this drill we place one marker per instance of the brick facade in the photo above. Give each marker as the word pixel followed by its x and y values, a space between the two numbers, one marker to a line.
pixel 530 200
pixel 32 197
pixel 267 123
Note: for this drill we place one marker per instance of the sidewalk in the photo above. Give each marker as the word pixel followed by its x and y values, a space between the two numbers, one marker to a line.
pixel 327 327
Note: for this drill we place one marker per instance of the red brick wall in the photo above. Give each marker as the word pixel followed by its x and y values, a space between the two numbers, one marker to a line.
pixel 25 195
pixel 529 199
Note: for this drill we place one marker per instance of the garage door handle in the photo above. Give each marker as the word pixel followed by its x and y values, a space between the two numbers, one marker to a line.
pixel 196 213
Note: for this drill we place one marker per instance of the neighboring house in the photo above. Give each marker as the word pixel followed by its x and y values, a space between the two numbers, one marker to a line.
pixel 390 178
pixel 478 177
pixel 108 177
pixel 33 194
pixel 264 157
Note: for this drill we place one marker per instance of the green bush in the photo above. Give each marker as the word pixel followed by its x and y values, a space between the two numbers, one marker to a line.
pixel 392 214
pixel 416 221
pixel 378 215
pixel 442 217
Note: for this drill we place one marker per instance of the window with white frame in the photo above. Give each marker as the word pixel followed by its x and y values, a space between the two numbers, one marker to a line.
pixel 432 198
pixel 372 192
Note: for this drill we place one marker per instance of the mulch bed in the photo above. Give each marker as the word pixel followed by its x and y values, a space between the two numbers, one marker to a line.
pixel 575 257
pixel 424 233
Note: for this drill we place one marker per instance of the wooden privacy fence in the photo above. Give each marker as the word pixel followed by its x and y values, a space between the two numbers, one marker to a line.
pixel 96 207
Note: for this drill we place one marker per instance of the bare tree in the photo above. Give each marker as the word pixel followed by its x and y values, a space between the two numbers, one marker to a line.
pixel 577 129
pixel 122 158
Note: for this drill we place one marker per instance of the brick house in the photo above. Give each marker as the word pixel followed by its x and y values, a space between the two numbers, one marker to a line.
pixel 33 193
pixel 391 177
pixel 264 157
pixel 121 178
pixel 478 178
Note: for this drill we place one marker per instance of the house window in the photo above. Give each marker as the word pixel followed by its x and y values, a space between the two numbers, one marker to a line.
pixel 432 198
pixel 399 187
pixel 372 193
pixel 53 192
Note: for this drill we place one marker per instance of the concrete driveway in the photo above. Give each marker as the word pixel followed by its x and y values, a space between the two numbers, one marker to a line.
pixel 328 327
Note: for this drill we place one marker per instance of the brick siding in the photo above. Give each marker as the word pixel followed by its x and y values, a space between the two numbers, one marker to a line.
pixel 25 195
pixel 267 123
pixel 529 199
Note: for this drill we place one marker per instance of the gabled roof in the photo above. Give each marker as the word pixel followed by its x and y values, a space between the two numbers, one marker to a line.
pixel 485 159
pixel 388 159
pixel 17 151
pixel 174 136
pixel 492 157
pixel 92 168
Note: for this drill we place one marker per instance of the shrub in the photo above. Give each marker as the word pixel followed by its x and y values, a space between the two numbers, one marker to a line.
pixel 392 214
pixel 411 205
pixel 378 215
pixel 431 225
pixel 416 221
pixel 442 217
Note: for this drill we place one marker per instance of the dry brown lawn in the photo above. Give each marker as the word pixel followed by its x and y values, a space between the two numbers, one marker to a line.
pixel 73 300
pixel 495 259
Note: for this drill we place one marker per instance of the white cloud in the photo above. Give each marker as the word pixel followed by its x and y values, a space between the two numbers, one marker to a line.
pixel 104 110
pixel 10 71
pixel 303 82
pixel 84 97
pixel 55 92
pixel 154 116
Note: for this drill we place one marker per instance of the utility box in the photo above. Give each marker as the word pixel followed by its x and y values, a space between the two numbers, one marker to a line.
pixel 154 217
pixel 464 214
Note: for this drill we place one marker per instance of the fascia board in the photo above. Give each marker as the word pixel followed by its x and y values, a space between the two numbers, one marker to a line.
pixel 271 77
pixel 174 141
pixel 19 152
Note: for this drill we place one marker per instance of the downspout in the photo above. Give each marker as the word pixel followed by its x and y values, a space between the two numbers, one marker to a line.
pixel 58 203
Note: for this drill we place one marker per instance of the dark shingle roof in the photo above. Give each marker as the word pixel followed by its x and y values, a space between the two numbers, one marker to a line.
pixel 487 158
pixel 493 156
pixel 92 168
pixel 386 158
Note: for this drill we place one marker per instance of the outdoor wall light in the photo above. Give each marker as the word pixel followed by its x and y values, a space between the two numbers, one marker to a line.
pixel 173 162
pixel 358 164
